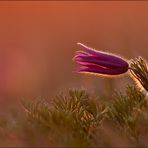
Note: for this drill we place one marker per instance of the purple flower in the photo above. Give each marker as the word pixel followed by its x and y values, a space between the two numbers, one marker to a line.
pixel 98 62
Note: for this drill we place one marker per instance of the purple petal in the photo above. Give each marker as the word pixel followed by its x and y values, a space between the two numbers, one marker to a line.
pixel 105 56
pixel 100 70
pixel 86 64
pixel 97 61
pixel 81 53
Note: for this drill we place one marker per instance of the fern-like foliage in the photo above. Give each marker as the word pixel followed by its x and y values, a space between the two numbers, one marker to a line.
pixel 38 111
pixel 84 110
pixel 139 71
pixel 125 110
pixel 80 120
pixel 77 114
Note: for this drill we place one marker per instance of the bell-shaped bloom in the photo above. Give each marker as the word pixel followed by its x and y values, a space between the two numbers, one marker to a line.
pixel 98 62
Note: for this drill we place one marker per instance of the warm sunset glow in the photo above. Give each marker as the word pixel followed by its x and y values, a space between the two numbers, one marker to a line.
pixel 38 40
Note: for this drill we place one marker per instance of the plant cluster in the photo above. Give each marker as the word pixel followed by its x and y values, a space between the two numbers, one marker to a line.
pixel 79 119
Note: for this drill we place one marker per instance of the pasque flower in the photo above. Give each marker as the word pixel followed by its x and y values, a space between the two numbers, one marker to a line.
pixel 98 62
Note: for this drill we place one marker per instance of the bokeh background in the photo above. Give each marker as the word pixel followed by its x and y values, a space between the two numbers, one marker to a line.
pixel 38 40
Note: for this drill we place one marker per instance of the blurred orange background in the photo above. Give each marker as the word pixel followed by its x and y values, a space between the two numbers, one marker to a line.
pixel 38 40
